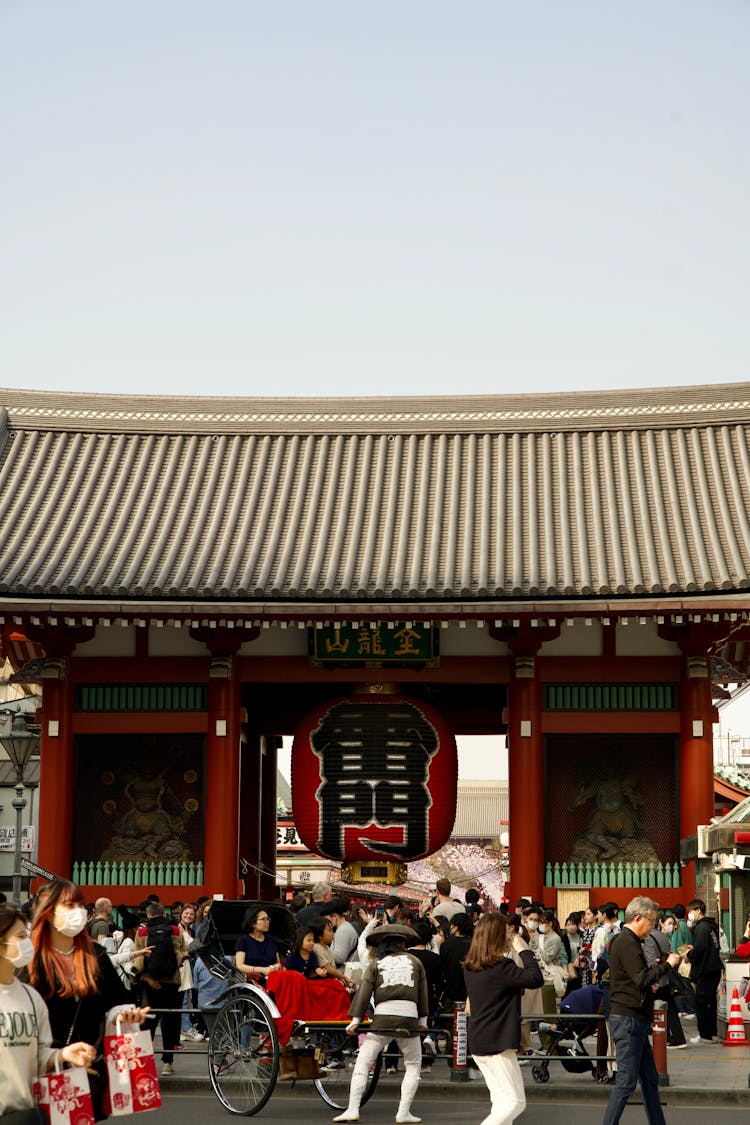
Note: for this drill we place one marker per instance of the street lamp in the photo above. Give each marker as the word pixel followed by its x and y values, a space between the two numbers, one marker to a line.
pixel 19 745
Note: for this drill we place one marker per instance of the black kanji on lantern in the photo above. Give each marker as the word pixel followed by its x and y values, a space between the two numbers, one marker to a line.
pixel 374 765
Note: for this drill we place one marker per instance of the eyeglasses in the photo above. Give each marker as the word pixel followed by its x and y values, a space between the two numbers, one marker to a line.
pixel 263 918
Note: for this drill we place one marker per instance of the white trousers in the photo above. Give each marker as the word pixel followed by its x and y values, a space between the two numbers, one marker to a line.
pixel 505 1084
pixel 370 1048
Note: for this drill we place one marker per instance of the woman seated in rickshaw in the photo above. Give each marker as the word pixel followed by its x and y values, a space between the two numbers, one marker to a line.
pixel 297 998
pixel 255 951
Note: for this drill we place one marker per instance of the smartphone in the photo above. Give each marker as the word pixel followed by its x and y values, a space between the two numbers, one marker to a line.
pixel 379 911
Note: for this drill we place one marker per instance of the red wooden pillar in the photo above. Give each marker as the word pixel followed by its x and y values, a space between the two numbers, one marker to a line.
pixel 222 779
pixel 269 765
pixel 57 769
pixel 525 779
pixel 251 792
pixel 696 752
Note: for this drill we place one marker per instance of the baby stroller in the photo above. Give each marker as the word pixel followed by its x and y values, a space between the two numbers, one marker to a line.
pixel 564 1040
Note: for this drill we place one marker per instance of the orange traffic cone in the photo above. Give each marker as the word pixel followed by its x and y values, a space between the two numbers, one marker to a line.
pixel 735 1028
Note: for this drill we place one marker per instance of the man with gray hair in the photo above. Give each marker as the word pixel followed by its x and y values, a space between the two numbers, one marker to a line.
pixel 631 1010
pixel 321 894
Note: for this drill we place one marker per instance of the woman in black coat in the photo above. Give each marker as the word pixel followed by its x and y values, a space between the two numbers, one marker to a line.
pixel 75 978
pixel 494 984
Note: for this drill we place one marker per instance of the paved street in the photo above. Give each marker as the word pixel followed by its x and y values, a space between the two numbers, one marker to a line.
pixel 308 1107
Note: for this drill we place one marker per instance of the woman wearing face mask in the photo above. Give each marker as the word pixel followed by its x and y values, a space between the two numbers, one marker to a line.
pixel 75 977
pixel 656 947
pixel 549 941
pixel 26 1049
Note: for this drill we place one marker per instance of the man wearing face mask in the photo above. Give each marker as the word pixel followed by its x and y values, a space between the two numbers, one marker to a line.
pixel 530 919
pixel 25 1038
pixel 706 969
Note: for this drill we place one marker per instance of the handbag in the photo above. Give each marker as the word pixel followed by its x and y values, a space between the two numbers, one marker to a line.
pixel 186 976
pixel 64 1098
pixel 556 976
pixel 132 1083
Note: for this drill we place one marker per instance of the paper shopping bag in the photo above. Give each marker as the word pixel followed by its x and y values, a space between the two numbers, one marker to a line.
pixel 132 1083
pixel 65 1098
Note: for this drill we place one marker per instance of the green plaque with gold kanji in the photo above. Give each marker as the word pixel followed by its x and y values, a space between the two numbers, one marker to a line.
pixel 373 646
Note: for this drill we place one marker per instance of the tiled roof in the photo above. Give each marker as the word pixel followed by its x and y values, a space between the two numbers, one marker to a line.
pixel 524 497
pixel 481 810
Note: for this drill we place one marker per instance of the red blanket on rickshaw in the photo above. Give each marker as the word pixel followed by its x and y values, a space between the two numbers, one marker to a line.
pixel 300 999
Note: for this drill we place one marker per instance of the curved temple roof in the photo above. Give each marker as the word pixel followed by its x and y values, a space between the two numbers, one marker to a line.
pixel 622 494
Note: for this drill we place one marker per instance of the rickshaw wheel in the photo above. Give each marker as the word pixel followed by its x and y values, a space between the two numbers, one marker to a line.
pixel 243 1055
pixel 339 1057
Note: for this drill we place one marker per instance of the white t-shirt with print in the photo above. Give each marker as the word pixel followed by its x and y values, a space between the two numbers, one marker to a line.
pixel 25 1044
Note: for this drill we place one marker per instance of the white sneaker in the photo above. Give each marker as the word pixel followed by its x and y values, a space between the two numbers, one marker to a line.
pixel 407 1119
pixel 347 1116
pixel 697 1040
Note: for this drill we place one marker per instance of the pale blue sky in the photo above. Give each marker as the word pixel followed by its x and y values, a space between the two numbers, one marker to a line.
pixel 348 198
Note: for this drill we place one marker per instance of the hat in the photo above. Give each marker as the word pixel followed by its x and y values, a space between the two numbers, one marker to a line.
pixel 391 930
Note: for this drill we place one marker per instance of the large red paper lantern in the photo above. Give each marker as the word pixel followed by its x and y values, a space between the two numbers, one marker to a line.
pixel 374 777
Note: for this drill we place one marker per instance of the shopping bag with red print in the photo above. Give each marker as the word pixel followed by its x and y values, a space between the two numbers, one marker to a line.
pixel 132 1084
pixel 65 1098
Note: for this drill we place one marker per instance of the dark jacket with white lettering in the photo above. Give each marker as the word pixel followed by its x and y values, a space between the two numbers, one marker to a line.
pixel 398 986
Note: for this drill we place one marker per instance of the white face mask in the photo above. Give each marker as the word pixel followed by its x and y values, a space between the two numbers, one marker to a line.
pixel 69 920
pixel 542 928
pixel 668 928
pixel 532 925
pixel 691 918
pixel 24 952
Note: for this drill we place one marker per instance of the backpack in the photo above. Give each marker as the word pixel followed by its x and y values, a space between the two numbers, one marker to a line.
pixel 161 963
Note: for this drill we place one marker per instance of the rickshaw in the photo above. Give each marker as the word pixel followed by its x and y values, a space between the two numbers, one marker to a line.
pixel 243 1045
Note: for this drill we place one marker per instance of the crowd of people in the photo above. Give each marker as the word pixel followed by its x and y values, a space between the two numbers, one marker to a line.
pixel 62 967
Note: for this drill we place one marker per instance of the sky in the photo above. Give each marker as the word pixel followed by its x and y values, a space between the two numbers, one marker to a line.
pixel 244 198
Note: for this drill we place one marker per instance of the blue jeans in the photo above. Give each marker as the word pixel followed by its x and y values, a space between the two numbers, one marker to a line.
pixel 635 1063
pixel 187 1021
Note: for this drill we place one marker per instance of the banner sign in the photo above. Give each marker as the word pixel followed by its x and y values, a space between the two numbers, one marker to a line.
pixel 35 869
pixel 372 645
pixel 374 776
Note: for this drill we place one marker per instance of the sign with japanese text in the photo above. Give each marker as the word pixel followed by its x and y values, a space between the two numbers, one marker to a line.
pixel 372 645
pixel 8 838
pixel 374 776
pixel 287 837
